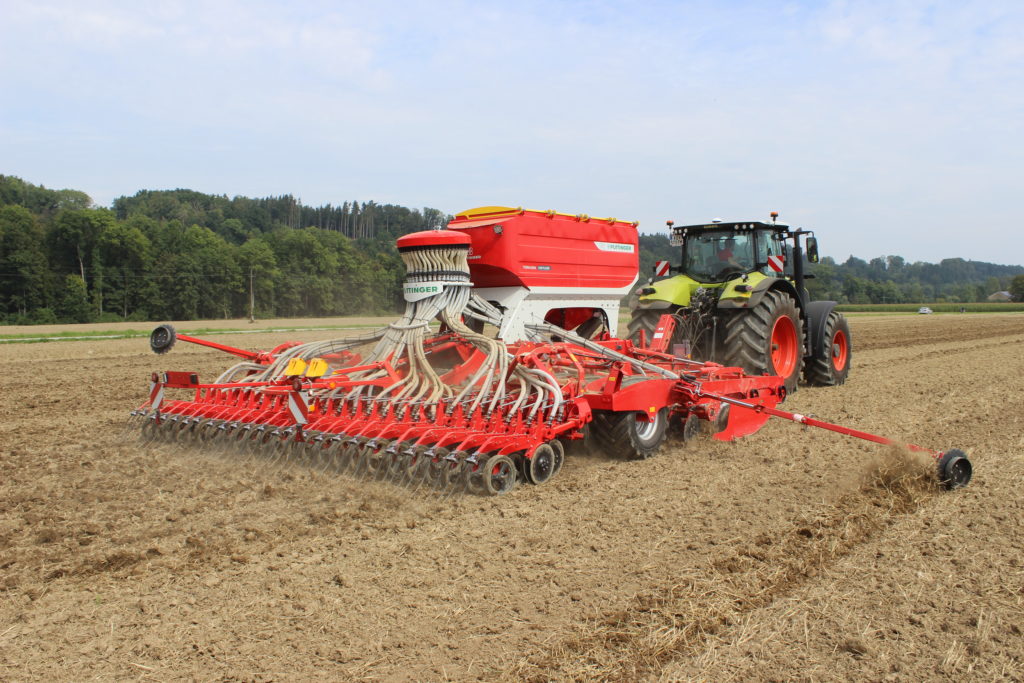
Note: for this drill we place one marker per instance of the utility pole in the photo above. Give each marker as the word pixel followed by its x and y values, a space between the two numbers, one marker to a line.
pixel 252 299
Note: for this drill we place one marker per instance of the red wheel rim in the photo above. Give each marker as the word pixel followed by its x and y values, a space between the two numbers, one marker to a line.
pixel 784 346
pixel 840 350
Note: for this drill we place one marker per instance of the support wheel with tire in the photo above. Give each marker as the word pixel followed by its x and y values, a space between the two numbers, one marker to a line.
pixel 499 475
pixel 768 338
pixel 830 363
pixel 629 435
pixel 162 339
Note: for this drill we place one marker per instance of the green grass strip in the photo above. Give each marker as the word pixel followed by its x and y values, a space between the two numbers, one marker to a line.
pixel 135 334
pixel 980 307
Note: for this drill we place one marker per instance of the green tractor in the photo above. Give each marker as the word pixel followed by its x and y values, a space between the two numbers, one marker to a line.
pixel 738 298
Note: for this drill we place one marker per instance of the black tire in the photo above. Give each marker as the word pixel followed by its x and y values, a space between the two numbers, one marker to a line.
pixel 162 338
pixel 692 427
pixel 499 475
pixel 748 340
pixel 591 327
pixel 627 434
pixel 954 469
pixel 646 320
pixel 686 428
pixel 830 364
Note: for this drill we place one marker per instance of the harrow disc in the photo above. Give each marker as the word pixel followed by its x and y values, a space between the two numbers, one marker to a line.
pixel 206 431
pixel 437 468
pixel 499 475
pixel 542 464
pixel 691 427
pixel 330 457
pixel 473 475
pixel 559 450
pixel 374 462
pixel 417 464
pixel 454 474
pixel 149 430
pixel 397 458
pixel 304 452
pixel 276 450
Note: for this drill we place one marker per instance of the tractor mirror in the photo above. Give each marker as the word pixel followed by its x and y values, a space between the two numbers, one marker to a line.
pixel 812 250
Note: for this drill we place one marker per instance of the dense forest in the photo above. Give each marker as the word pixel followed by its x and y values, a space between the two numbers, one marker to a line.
pixel 884 279
pixel 180 254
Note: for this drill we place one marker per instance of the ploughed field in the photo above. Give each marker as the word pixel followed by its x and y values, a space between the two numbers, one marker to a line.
pixel 791 554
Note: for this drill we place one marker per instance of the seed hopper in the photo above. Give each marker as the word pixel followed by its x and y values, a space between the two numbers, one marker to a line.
pixel 506 353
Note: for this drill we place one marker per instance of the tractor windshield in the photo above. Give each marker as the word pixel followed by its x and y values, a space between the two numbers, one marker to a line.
pixel 718 256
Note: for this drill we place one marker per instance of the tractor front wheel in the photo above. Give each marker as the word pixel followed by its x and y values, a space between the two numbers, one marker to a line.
pixel 831 362
pixel 768 338
pixel 629 435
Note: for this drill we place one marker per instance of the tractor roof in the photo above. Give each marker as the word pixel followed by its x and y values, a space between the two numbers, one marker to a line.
pixel 737 225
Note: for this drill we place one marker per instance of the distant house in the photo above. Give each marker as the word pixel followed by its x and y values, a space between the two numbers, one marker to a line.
pixel 1000 296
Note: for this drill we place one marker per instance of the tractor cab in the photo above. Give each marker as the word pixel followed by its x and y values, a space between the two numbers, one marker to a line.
pixel 714 253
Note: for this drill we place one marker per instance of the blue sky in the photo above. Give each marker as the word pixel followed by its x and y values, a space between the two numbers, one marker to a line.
pixel 888 127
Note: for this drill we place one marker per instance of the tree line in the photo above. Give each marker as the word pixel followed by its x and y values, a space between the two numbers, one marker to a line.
pixel 182 255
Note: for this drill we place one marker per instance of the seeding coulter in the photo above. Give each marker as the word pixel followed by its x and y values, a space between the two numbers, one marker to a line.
pixel 505 353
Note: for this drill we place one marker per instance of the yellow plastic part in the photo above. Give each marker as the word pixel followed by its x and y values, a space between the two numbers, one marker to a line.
pixel 754 278
pixel 487 211
pixel 481 211
pixel 675 289
pixel 296 366
pixel 317 368
pixel 678 289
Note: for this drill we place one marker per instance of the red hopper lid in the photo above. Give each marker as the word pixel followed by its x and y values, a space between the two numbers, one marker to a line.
pixel 432 239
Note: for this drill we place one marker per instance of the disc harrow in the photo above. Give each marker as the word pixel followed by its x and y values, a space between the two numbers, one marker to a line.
pixel 432 402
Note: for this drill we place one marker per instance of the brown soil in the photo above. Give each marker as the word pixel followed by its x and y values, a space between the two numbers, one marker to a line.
pixel 792 554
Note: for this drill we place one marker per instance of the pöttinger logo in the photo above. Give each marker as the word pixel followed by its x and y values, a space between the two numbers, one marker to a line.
pixel 614 246
pixel 414 291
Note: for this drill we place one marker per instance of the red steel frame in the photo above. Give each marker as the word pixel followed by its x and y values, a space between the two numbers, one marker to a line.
pixel 589 382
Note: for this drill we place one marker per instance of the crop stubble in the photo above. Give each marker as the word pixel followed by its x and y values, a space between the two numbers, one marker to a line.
pixel 790 554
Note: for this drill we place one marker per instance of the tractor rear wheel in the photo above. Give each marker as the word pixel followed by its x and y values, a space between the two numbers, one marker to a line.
pixel 646 320
pixel 768 338
pixel 629 435
pixel 830 364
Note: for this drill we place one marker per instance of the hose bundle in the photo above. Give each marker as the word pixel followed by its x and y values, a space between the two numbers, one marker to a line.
pixel 437 288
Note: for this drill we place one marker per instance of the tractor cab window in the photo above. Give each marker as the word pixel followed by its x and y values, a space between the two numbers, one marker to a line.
pixel 718 256
pixel 769 243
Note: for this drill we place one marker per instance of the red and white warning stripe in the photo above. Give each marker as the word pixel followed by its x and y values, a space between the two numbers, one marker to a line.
pixel 776 262
pixel 661 268
pixel 298 406
pixel 156 396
